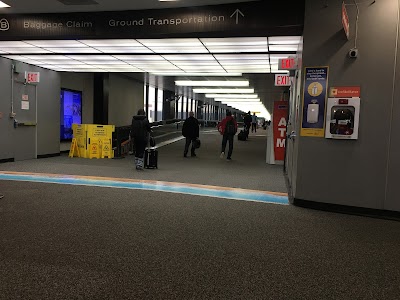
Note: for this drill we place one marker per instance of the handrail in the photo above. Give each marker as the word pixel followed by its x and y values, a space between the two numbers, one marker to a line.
pixel 121 138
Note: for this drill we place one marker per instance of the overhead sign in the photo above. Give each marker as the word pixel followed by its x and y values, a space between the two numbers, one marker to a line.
pixel 32 77
pixel 238 19
pixel 314 101
pixel 279 128
pixel 344 91
pixel 282 80
pixel 289 63
pixel 345 20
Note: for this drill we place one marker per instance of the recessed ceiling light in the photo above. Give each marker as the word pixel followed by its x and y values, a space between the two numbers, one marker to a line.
pixel 181 73
pixel 239 101
pixel 212 83
pixel 226 91
pixel 3 5
pixel 248 96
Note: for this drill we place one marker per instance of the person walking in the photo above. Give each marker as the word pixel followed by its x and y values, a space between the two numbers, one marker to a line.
pixel 228 129
pixel 190 130
pixel 140 130
pixel 247 123
pixel 253 123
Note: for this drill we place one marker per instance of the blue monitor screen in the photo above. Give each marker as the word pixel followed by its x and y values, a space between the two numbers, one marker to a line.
pixel 71 112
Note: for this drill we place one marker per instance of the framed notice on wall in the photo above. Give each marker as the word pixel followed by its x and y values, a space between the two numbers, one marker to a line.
pixel 314 101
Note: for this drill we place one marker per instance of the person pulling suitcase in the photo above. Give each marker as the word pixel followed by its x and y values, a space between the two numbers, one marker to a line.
pixel 140 130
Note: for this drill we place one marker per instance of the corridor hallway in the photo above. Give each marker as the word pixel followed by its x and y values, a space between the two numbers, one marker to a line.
pixel 76 240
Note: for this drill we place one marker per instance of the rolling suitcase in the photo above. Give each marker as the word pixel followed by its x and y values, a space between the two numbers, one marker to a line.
pixel 242 135
pixel 151 158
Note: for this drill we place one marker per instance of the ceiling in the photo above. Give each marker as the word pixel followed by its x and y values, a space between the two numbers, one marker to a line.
pixel 158 56
pixel 156 61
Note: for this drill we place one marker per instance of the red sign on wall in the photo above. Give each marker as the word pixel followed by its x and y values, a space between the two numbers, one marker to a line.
pixel 289 63
pixel 282 80
pixel 32 77
pixel 344 91
pixel 279 127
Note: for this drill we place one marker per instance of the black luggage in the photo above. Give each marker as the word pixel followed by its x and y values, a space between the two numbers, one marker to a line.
pixel 242 135
pixel 151 158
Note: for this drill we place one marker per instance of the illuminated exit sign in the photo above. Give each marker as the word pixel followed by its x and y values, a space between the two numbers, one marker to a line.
pixel 32 77
pixel 282 80
pixel 289 63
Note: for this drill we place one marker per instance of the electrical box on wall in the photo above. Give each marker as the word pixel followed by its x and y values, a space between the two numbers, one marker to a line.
pixel 17 67
pixel 343 113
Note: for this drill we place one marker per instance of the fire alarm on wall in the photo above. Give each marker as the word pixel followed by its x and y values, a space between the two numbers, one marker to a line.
pixel 353 53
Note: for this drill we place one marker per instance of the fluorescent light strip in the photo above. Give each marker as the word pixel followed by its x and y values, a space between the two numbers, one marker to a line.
pixel 226 100
pixel 247 96
pixel 207 73
pixel 4 5
pixel 227 91
pixel 212 83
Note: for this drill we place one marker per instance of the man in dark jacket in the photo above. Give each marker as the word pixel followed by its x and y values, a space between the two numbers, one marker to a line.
pixel 228 129
pixel 140 130
pixel 190 131
pixel 247 123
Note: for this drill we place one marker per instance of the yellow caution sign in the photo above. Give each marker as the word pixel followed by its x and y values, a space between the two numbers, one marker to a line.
pixel 74 150
pixel 94 148
pixel 106 151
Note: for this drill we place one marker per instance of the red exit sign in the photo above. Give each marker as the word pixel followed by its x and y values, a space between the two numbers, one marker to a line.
pixel 32 77
pixel 289 63
pixel 282 80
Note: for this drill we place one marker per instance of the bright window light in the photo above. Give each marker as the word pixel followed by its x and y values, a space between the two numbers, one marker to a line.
pixel 248 96
pixel 227 91
pixel 212 83
pixel 3 5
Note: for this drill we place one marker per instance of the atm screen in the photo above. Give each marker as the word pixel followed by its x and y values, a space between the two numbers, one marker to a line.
pixel 71 112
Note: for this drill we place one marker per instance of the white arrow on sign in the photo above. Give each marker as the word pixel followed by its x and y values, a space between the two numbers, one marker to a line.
pixel 237 12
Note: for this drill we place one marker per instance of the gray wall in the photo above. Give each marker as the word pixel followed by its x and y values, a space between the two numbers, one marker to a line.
pixel 126 96
pixel 6 124
pixel 48 111
pixel 81 82
pixel 354 172
pixel 48 108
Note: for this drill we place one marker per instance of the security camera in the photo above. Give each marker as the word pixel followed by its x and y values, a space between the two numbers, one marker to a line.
pixel 353 53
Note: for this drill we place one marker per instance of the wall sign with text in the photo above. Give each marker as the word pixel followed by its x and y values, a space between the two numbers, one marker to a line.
pixel 314 101
pixel 238 19
pixel 279 118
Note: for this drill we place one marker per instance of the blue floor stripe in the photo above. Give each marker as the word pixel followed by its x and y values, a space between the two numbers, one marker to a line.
pixel 182 189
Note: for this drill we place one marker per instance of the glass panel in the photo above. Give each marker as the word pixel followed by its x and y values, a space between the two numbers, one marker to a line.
pixel 160 105
pixel 152 104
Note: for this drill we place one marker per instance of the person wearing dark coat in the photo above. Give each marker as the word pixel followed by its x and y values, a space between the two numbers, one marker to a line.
pixel 140 130
pixel 190 131
pixel 228 128
pixel 247 122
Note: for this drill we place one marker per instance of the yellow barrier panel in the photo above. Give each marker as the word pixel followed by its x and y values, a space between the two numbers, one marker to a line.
pixel 106 151
pixel 94 148
pixel 74 150
pixel 87 134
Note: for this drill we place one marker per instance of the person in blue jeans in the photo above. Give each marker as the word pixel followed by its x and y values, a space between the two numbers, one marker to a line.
pixel 228 129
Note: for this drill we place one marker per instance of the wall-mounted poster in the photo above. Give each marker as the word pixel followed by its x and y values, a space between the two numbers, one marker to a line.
pixel 314 101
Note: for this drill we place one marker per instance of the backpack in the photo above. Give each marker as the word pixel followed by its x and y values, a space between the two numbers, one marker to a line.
pixel 230 127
